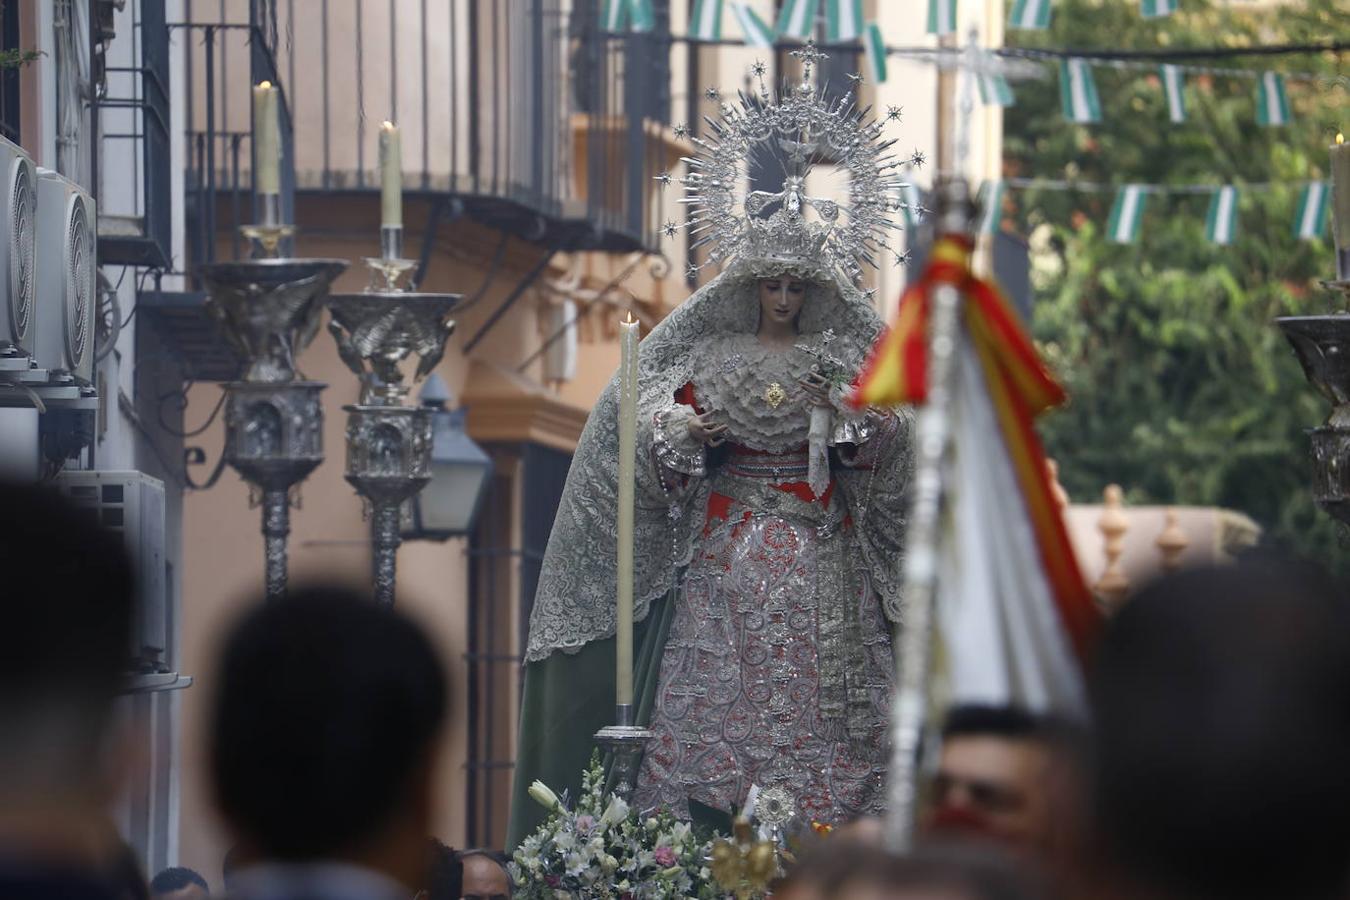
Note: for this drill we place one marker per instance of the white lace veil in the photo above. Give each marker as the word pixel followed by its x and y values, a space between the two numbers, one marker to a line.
pixel 574 603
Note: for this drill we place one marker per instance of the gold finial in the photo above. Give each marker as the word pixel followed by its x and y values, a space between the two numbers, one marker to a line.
pixel 1172 542
pixel 1113 585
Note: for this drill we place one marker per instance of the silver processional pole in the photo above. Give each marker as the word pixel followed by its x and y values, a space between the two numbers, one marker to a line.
pixel 955 214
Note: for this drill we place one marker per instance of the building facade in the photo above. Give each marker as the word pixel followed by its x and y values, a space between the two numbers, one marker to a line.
pixel 531 142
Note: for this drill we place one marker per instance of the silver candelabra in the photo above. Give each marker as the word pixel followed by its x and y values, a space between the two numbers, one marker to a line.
pixel 388 443
pixel 268 308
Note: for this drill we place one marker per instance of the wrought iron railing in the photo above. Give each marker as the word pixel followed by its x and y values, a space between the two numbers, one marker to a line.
pixel 528 115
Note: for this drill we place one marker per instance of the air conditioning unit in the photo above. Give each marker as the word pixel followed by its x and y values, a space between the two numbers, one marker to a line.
pixel 18 192
pixel 66 279
pixel 132 504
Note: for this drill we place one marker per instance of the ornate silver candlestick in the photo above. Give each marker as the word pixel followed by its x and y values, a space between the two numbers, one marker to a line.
pixel 1322 344
pixel 625 742
pixel 269 311
pixel 388 444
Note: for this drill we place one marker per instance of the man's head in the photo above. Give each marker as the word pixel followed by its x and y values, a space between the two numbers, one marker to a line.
pixel 327 716
pixel 68 587
pixel 485 875
pixel 179 883
pixel 1222 718
pixel 1000 773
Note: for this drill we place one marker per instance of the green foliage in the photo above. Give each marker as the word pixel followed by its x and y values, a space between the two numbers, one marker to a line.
pixel 13 59
pixel 1183 390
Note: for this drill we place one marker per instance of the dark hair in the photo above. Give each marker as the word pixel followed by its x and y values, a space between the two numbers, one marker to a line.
pixel 70 592
pixel 177 878
pixel 1222 717
pixel 445 873
pixel 326 707
pixel 840 866
pixel 1015 723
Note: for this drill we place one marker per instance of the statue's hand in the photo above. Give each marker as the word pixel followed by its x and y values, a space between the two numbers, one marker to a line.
pixel 817 389
pixel 705 431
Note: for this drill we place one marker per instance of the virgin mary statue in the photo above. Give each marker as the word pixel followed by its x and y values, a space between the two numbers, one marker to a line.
pixel 768 518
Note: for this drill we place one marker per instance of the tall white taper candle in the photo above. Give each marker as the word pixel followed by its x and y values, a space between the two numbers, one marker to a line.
pixel 391 176
pixel 266 139
pixel 628 377
pixel 1340 205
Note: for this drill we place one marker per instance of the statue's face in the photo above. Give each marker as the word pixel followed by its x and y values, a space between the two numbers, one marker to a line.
pixel 780 300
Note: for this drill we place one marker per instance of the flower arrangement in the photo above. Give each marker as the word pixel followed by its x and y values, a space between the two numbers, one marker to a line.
pixel 602 848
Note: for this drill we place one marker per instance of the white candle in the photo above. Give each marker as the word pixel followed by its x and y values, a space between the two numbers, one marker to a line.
pixel 266 140
pixel 391 176
pixel 1340 204
pixel 628 377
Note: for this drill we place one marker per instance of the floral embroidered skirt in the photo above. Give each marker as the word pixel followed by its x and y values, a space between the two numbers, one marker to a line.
pixel 777 671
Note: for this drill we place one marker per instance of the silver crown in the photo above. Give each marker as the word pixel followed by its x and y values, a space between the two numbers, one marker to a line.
pixel 794 134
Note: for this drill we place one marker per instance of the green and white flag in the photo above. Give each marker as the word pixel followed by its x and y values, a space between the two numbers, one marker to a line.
pixel 644 19
pixel 1078 92
pixel 1030 14
pixel 912 199
pixel 797 19
pixel 1272 103
pixel 1310 221
pixel 613 13
pixel 1126 214
pixel 1156 9
pixel 843 20
pixel 705 24
pixel 874 48
pixel 757 32
pixel 994 89
pixel 1221 221
pixel 1173 81
pixel 991 207
pixel 941 17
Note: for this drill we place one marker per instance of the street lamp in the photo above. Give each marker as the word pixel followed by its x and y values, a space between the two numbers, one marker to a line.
pixel 460 472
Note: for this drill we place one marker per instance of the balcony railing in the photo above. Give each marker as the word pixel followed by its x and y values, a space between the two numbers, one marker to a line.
pixel 523 111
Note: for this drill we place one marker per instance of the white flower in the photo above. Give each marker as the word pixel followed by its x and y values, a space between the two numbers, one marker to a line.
pixel 704 874
pixel 609 863
pixel 544 796
pixel 615 813
pixel 652 824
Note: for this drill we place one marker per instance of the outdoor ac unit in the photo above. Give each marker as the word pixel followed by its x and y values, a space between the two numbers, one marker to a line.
pixel 16 254
pixel 132 504
pixel 66 281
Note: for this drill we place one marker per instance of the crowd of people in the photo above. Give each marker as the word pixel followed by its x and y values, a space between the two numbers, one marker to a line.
pixel 1211 769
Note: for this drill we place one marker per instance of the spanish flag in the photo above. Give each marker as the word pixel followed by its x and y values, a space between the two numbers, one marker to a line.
pixel 1015 617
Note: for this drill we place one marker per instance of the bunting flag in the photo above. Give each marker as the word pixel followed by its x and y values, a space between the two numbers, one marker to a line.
pixel 941 17
pixel 1272 103
pixel 1014 614
pixel 757 32
pixel 1030 14
pixel 994 89
pixel 797 19
pixel 843 20
pixel 991 207
pixel 1078 92
pixel 1126 213
pixel 912 199
pixel 1173 81
pixel 705 24
pixel 613 13
pixel 1221 220
pixel 874 48
pixel 1156 9
pixel 644 18
pixel 1310 221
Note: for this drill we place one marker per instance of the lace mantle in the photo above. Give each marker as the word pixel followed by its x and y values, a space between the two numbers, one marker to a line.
pixel 574 602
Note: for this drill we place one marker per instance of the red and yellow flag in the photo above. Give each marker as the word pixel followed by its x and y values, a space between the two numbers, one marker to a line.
pixel 1020 608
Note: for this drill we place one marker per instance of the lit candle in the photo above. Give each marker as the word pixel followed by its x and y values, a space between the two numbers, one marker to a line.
pixel 391 176
pixel 266 140
pixel 628 377
pixel 1340 205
